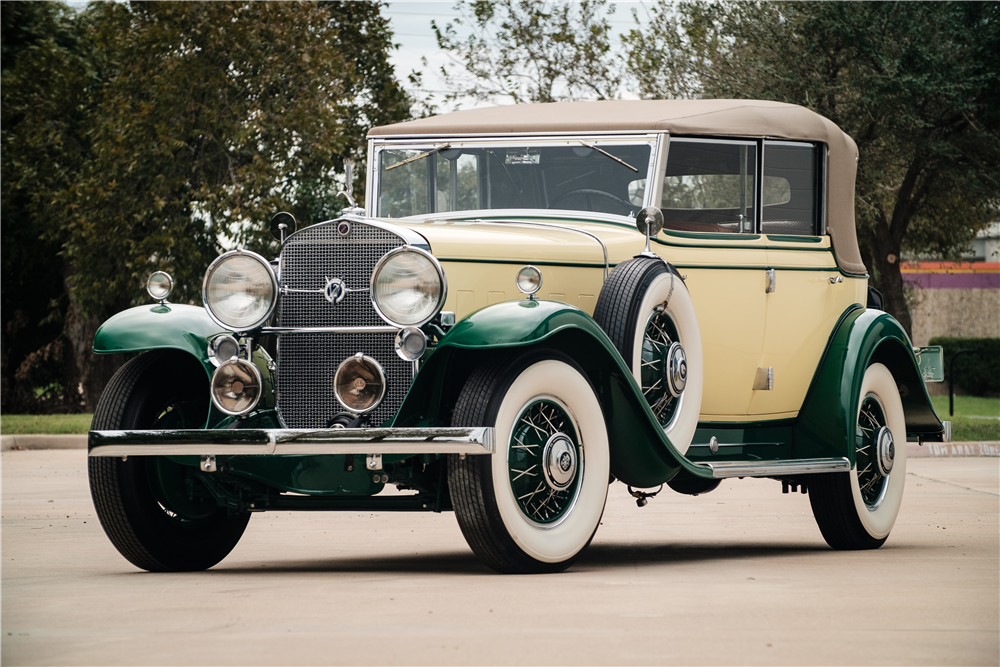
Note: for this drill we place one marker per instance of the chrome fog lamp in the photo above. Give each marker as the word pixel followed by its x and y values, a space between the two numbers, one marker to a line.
pixel 529 280
pixel 236 387
pixel 159 285
pixel 240 290
pixel 359 384
pixel 410 343
pixel 408 287
pixel 222 349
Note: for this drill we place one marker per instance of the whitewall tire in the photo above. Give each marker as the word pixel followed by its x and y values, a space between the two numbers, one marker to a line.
pixel 535 504
pixel 647 311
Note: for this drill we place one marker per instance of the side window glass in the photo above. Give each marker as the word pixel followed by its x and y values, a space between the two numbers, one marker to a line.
pixel 710 187
pixel 789 189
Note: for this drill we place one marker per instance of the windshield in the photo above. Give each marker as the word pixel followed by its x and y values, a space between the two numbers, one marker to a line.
pixel 576 175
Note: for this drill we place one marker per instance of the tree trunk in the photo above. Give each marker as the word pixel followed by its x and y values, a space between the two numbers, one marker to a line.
pixel 86 373
pixel 890 282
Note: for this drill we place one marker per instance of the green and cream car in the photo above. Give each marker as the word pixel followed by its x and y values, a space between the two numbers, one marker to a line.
pixel 533 302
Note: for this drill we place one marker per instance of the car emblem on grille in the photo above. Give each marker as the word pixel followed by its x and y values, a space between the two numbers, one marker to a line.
pixel 343 228
pixel 335 290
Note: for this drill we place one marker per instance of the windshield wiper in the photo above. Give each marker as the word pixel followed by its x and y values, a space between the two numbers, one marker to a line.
pixel 417 157
pixel 592 146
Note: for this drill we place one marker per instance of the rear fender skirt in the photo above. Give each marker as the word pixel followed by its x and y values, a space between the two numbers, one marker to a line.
pixel 641 454
pixel 826 423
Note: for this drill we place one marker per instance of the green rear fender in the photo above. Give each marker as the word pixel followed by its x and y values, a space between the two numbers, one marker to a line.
pixel 641 455
pixel 826 424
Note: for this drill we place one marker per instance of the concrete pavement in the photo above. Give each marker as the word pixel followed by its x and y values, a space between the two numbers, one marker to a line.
pixel 738 576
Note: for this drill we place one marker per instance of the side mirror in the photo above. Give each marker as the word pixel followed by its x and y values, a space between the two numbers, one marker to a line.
pixel 649 221
pixel 282 225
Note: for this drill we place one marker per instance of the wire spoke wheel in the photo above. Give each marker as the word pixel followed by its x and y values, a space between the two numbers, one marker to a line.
pixel 658 343
pixel 872 476
pixel 545 462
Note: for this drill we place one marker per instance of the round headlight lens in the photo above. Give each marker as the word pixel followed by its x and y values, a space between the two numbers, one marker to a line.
pixel 236 387
pixel 359 383
pixel 408 287
pixel 529 280
pixel 240 290
pixel 159 285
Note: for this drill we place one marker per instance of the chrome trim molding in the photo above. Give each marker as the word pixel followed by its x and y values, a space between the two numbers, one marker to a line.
pixel 725 469
pixel 314 330
pixel 409 236
pixel 445 440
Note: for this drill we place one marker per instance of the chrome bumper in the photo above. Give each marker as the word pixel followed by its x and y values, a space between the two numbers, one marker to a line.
pixel 478 440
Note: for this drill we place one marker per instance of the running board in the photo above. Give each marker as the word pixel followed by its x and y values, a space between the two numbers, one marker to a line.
pixel 724 469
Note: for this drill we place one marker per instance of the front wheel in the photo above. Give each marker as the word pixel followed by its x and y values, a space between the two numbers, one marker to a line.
pixel 535 504
pixel 156 514
pixel 857 509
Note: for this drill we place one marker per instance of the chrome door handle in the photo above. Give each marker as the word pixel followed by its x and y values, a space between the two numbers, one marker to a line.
pixel 837 279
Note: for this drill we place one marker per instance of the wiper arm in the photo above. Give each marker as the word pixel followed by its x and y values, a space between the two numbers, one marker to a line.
pixel 592 146
pixel 417 157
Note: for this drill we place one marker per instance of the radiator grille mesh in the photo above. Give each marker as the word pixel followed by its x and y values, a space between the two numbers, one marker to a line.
pixel 306 362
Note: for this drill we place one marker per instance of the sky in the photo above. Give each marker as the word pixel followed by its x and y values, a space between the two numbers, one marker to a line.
pixel 411 24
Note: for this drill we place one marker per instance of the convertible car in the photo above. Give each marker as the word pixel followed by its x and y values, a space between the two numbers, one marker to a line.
pixel 532 303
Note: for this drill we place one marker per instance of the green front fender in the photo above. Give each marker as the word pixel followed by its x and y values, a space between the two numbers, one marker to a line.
pixel 159 327
pixel 826 424
pixel 641 454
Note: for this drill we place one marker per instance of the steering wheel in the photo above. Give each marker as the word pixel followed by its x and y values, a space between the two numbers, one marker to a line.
pixel 592 192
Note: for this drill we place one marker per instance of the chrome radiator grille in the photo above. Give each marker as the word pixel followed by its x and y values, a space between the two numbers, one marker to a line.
pixel 307 361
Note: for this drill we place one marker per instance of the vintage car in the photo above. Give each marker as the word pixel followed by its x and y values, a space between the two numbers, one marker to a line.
pixel 534 302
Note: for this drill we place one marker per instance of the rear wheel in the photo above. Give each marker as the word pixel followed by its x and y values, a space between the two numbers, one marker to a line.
pixel 535 504
pixel 155 512
pixel 857 509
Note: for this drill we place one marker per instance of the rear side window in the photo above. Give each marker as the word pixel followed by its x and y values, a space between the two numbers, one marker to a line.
pixel 789 189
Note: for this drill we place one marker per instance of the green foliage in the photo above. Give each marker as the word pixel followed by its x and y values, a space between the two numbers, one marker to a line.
pixel 530 51
pixel 147 136
pixel 977 374
pixel 917 85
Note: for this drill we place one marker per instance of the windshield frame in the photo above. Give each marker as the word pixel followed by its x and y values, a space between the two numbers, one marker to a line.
pixel 657 142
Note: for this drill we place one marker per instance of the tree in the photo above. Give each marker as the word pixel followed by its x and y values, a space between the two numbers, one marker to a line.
pixel 529 51
pixel 917 85
pixel 198 122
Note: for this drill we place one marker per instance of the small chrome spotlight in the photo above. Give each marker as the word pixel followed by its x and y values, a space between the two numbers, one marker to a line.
pixel 222 349
pixel 410 343
pixel 159 285
pixel 359 384
pixel 529 280
pixel 236 387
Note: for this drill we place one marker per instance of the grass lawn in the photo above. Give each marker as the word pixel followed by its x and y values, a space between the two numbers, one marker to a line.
pixel 47 424
pixel 975 418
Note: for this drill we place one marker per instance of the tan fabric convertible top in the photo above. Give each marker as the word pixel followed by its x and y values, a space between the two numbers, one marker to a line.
pixel 738 118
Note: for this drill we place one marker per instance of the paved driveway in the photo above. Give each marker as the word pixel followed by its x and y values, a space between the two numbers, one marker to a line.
pixel 737 576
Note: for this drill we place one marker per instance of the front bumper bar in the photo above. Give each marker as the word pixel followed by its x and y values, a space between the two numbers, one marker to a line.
pixel 412 441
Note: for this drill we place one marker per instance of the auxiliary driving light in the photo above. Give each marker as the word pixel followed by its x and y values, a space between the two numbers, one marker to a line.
pixel 223 348
pixel 529 280
pixel 159 285
pixel 359 384
pixel 411 343
pixel 236 387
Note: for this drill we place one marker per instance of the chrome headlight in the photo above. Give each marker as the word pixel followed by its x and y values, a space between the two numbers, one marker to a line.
pixel 240 290
pixel 408 287
pixel 236 387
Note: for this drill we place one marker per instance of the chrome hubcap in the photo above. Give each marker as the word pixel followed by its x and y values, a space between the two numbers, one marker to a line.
pixel 677 369
pixel 886 449
pixel 559 461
